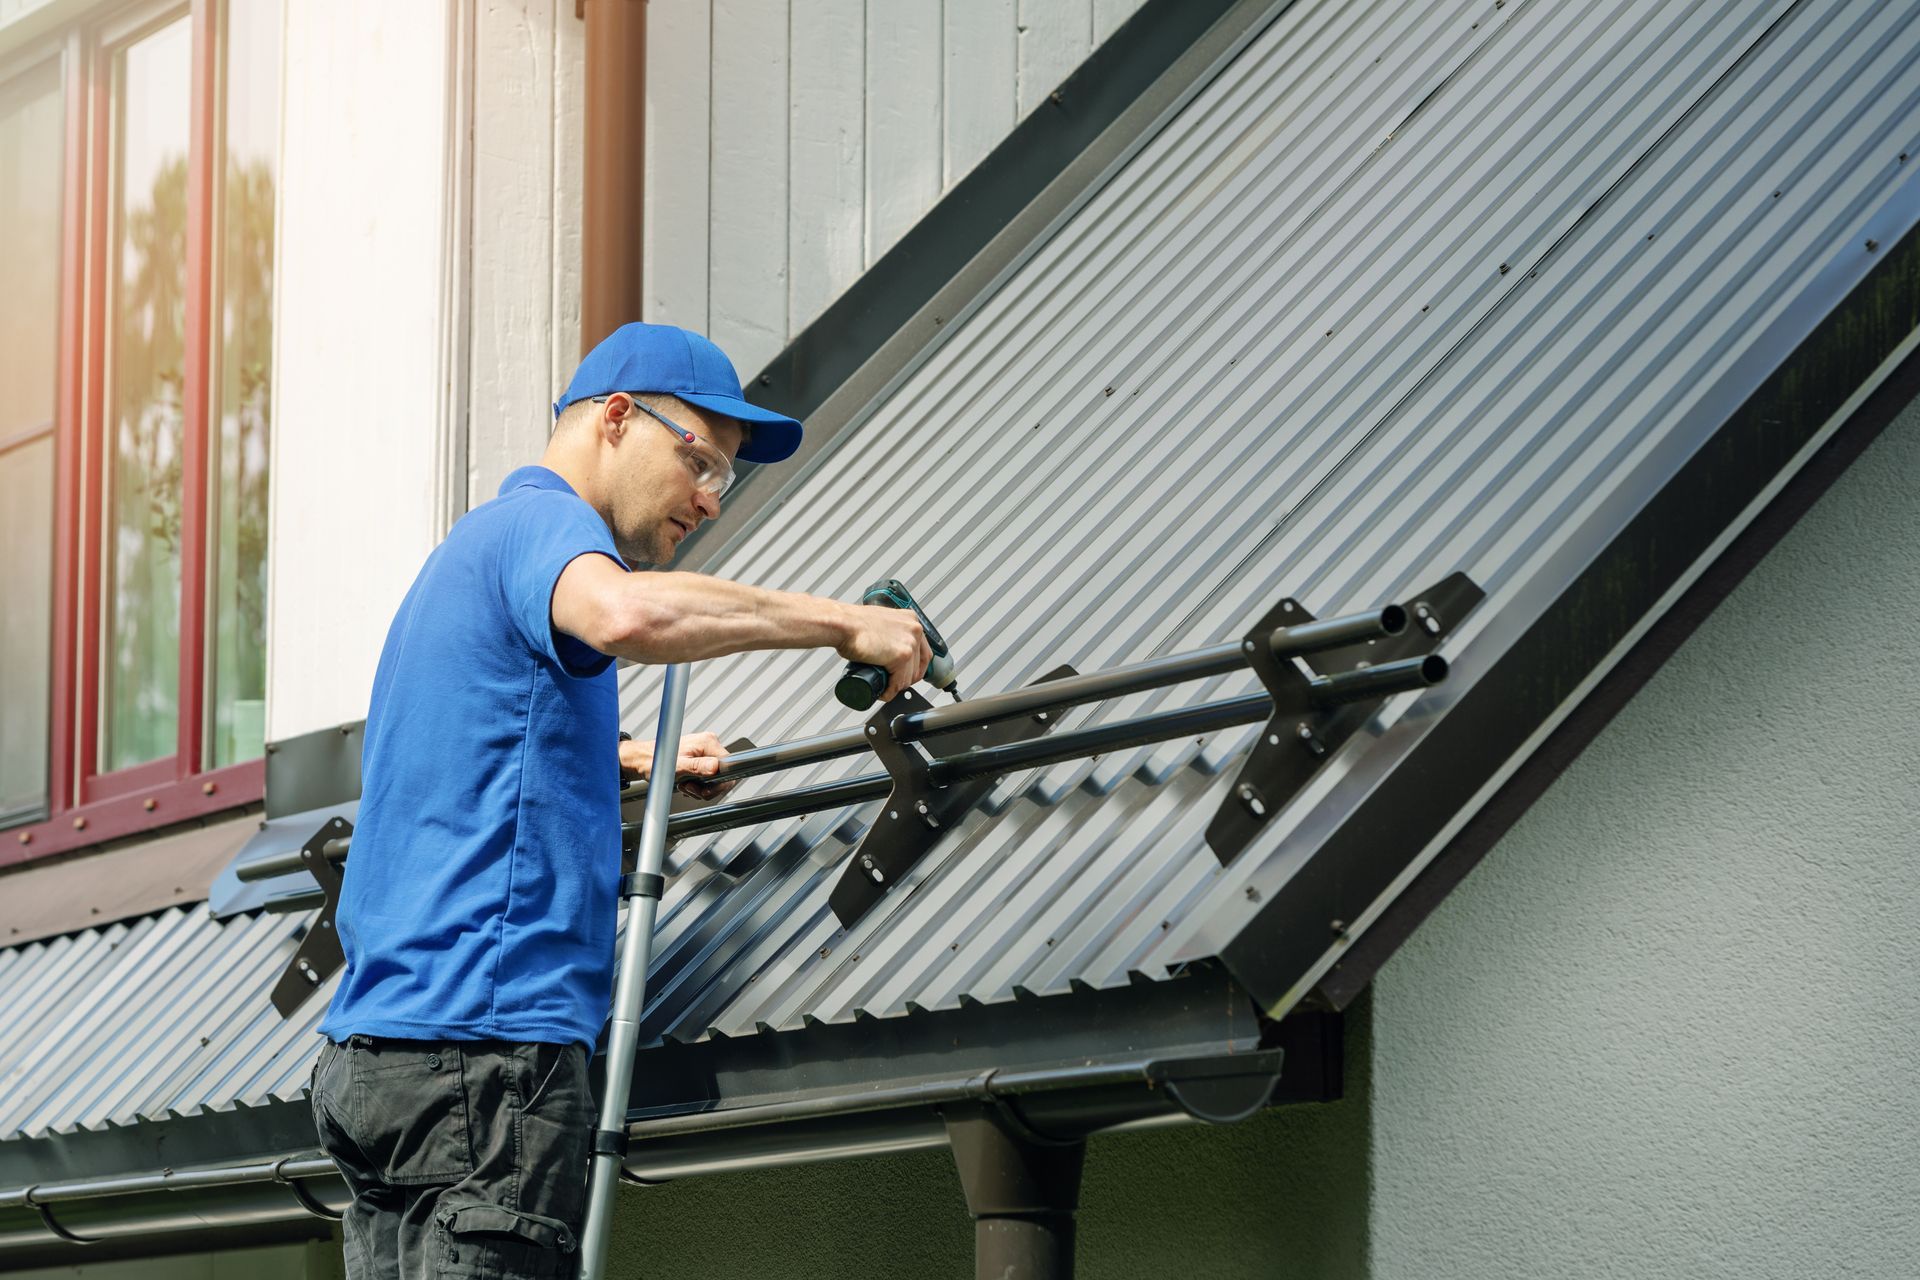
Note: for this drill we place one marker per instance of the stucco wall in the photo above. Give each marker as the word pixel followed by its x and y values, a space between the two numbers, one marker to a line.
pixel 1670 1026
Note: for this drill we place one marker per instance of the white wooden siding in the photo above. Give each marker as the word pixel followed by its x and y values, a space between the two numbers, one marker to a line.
pixel 359 457
pixel 790 143
pixel 529 94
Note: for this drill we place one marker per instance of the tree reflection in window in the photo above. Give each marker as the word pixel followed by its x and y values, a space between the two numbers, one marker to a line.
pixel 142 636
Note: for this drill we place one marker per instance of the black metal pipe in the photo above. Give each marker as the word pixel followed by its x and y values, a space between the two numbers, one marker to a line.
pixel 1378 682
pixel 1138 731
pixel 1071 691
pixel 1332 633
pixel 781 755
pixel 781 804
pixel 287 863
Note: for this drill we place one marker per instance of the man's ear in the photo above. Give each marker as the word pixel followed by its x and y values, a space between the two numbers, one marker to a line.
pixel 613 416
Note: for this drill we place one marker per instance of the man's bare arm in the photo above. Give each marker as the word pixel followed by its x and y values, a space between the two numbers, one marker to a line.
pixel 684 617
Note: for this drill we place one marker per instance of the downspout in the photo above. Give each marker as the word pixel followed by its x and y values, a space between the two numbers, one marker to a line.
pixel 613 199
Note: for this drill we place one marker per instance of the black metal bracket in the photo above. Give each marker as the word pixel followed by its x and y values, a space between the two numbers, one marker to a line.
pixel 47 1220
pixel 307 1199
pixel 1305 729
pixel 319 954
pixel 917 812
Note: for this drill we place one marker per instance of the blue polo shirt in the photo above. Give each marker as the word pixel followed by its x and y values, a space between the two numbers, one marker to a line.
pixel 481 890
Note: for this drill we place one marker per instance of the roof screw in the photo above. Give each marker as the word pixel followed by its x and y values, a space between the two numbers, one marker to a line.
pixel 766 380
pixel 1872 245
pixel 1503 266
pixel 1339 927
pixel 1253 894
pixel 1109 391
pixel 208 788
pixel 150 804
pixel 1903 157
pixel 1054 97
pixel 26 837
pixel 79 824
pixel 823 953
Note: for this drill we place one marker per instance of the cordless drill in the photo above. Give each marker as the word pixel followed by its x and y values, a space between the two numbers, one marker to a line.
pixel 863 682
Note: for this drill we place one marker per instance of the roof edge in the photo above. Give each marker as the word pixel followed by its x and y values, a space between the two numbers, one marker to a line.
pixel 1351 881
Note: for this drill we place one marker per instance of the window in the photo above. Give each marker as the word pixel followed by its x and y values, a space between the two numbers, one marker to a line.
pixel 137 179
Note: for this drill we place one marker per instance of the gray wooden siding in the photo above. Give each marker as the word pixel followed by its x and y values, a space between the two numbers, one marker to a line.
pixel 790 143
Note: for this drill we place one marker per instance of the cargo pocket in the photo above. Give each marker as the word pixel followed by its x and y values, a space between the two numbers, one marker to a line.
pixel 492 1242
pixel 412 1105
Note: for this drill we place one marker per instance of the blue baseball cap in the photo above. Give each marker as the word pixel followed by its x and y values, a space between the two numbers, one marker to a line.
pixel 678 362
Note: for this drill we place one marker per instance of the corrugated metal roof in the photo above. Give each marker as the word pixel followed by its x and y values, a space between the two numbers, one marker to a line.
pixel 164 1015
pixel 1406 289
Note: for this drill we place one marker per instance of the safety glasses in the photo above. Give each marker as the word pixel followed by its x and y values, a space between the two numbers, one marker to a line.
pixel 708 467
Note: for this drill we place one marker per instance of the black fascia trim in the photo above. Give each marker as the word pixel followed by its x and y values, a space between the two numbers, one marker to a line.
pixel 1201 1013
pixel 1352 868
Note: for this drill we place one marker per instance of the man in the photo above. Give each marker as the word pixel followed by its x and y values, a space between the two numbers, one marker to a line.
pixel 477 913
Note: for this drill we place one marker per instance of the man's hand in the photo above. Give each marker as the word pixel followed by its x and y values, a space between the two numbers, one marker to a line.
pixel 700 757
pixel 890 638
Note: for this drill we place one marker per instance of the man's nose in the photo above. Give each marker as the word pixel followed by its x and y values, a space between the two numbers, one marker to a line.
pixel 706 504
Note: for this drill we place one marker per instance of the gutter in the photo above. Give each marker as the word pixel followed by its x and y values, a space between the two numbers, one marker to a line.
pixel 1063 1103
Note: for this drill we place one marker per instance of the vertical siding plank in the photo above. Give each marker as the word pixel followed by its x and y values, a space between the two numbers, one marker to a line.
pixel 512 240
pixel 1108 15
pixel 674 265
pixel 747 272
pixel 827 199
pixel 903 118
pixel 569 146
pixel 1055 37
pixel 978 82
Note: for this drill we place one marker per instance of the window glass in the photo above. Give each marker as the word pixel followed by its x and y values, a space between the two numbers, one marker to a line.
pixel 31 135
pixel 244 405
pixel 147 316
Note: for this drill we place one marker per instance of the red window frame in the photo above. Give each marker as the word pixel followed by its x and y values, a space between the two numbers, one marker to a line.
pixel 85 806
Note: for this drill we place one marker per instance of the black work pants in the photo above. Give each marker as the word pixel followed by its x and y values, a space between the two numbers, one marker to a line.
pixel 466 1158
